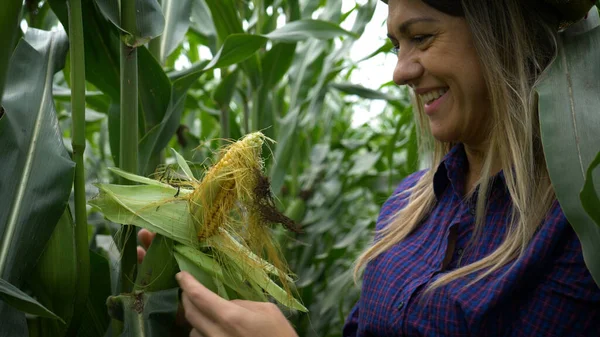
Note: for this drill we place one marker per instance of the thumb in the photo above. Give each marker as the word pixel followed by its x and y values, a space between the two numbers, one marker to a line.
pixel 201 297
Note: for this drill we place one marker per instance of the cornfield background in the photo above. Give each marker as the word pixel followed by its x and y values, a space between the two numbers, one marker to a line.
pixel 206 71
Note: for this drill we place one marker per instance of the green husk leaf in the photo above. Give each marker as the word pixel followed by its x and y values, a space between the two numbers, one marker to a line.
pixel 183 164
pixel 139 204
pixel 136 178
pixel 257 276
pixel 208 272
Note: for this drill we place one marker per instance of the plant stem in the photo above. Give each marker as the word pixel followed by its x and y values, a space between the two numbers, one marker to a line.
pixel 129 138
pixel 9 28
pixel 225 133
pixel 78 144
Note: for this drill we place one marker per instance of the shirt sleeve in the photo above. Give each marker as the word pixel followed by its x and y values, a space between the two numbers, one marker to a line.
pixel 351 325
pixel 566 303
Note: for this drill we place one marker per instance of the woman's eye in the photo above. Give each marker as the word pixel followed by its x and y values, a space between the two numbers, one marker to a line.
pixel 421 38
pixel 395 50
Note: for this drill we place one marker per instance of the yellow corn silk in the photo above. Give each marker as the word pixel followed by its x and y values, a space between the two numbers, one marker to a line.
pixel 221 224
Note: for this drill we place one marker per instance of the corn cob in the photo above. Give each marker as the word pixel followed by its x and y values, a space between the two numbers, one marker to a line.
pixel 231 178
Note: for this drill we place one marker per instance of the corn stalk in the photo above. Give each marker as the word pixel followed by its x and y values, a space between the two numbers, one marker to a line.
pixel 129 137
pixel 78 144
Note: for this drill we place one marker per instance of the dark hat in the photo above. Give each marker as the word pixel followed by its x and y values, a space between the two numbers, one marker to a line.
pixel 568 11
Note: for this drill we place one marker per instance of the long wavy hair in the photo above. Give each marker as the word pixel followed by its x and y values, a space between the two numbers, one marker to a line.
pixel 515 41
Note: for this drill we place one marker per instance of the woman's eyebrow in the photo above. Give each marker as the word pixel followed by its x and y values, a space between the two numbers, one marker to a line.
pixel 405 26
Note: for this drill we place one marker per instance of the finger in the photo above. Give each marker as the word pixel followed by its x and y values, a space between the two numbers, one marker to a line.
pixel 200 296
pixel 198 320
pixel 250 305
pixel 146 237
pixel 141 253
pixel 195 333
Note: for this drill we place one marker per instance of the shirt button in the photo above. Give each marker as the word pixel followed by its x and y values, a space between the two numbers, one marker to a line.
pixel 460 251
pixel 472 211
pixel 400 305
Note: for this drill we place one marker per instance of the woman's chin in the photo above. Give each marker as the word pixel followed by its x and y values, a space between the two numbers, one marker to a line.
pixel 444 134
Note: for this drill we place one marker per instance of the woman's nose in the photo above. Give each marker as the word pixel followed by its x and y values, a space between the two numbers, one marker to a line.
pixel 408 69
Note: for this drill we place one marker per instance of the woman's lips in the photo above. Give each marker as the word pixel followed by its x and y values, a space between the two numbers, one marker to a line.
pixel 431 108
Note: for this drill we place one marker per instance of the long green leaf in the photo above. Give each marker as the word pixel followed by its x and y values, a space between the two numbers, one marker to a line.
pixel 225 18
pixel 301 30
pixel 54 287
pixel 202 23
pixel 37 173
pixel 276 63
pixel 20 300
pixel 359 90
pixel 236 48
pixel 101 47
pixel 568 103
pixel 589 196
pixel 177 22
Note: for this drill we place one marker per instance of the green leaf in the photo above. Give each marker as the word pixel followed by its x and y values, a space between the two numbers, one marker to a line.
pixel 95 320
pixel 202 23
pixel 18 299
pixel 225 18
pixel 199 265
pixel 589 196
pixel 162 107
pixel 276 63
pixel 177 22
pixel 150 21
pixel 158 269
pixel 359 90
pixel 568 103
pixel 136 178
pixel 37 172
pixel 301 30
pixel 137 205
pixel 258 276
pixel 56 288
pixel 101 48
pixel 283 153
pixel 9 28
pixel 183 165
pixel 235 49
pixel 225 90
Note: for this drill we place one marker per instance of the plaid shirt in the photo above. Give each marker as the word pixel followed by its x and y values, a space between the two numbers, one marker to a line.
pixel 548 292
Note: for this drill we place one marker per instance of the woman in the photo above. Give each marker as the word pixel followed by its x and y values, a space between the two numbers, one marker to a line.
pixel 477 245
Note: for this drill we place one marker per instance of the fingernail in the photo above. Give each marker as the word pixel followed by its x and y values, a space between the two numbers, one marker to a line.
pixel 178 276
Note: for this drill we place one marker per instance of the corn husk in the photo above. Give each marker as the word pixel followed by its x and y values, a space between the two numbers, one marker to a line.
pixel 220 224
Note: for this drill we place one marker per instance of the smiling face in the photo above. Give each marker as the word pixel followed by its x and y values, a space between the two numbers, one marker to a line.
pixel 437 58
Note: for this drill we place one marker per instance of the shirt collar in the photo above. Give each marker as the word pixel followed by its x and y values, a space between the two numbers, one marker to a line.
pixel 452 172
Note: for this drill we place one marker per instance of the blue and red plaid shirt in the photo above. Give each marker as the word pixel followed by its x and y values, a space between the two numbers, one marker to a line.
pixel 548 292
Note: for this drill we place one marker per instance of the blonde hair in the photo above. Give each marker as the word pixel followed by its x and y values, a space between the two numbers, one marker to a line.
pixel 514 43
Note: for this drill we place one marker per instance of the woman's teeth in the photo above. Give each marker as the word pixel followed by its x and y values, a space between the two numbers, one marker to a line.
pixel 433 95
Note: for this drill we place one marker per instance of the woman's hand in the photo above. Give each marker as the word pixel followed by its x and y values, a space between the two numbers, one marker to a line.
pixel 213 316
